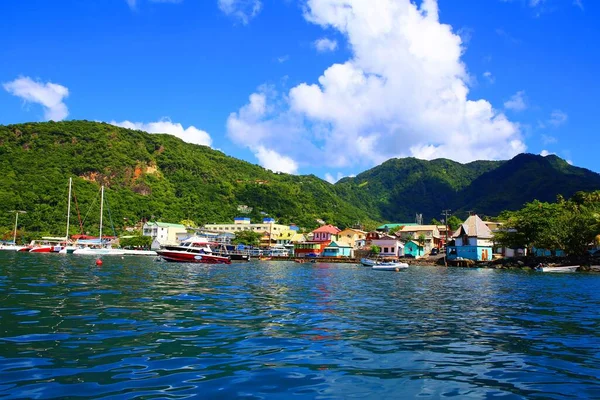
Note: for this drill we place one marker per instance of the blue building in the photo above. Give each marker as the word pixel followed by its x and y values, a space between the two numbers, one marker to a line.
pixel 473 241
pixel 412 248
pixel 337 250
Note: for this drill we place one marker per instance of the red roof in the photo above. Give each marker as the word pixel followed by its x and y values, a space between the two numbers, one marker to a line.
pixel 334 230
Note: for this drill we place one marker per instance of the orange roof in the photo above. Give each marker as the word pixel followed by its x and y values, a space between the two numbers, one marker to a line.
pixel 334 230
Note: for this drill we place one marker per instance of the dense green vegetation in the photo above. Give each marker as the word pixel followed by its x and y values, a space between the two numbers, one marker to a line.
pixel 569 225
pixel 160 177
pixel 147 177
pixel 400 188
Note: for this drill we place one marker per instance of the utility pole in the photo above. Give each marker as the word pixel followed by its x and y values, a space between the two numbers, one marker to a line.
pixel 445 214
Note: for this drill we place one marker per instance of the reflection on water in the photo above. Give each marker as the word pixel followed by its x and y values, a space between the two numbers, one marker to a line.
pixel 140 328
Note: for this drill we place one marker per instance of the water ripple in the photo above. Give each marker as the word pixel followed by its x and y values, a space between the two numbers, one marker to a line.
pixel 137 328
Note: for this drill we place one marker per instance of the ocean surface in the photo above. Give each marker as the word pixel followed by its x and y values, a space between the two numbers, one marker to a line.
pixel 139 328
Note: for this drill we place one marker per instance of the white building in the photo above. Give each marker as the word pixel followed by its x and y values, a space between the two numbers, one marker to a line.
pixel 244 224
pixel 390 246
pixel 165 233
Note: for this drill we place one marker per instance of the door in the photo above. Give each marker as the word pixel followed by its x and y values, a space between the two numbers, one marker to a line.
pixel 484 254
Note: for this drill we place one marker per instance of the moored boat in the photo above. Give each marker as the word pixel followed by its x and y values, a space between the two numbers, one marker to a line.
pixel 564 268
pixel 368 262
pixel 192 250
pixel 389 266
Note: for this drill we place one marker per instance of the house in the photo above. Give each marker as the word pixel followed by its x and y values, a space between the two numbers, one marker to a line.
pixel 445 234
pixel 165 233
pixel 472 241
pixel 431 234
pixel 309 249
pixel 373 235
pixel 326 233
pixel 245 224
pixel 335 249
pixel 355 238
pixel 290 236
pixel 414 249
pixel 389 245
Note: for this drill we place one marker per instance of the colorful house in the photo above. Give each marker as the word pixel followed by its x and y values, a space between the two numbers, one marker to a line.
pixel 473 241
pixel 393 226
pixel 431 234
pixel 371 236
pixel 326 233
pixel 414 249
pixel 309 249
pixel 389 245
pixel 354 238
pixel 337 250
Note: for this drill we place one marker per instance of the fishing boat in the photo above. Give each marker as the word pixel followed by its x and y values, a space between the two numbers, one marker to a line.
pixel 565 268
pixel 192 250
pixel 389 266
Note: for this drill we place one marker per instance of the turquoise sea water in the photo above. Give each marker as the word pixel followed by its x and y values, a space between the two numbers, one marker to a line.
pixel 137 328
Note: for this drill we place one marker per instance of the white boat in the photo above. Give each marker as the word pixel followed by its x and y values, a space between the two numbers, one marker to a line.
pixel 368 262
pixel 567 268
pixel 139 252
pixel 13 246
pixel 389 266
pixel 101 250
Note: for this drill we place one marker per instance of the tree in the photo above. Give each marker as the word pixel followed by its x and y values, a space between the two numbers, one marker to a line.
pixel 249 238
pixel 454 222
pixel 136 241
pixel 421 240
pixel 435 222
pixel 375 249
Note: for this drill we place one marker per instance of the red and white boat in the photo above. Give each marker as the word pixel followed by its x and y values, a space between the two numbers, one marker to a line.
pixel 192 250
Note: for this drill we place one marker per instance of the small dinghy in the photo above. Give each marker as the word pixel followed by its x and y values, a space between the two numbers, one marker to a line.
pixel 389 266
pixel 566 268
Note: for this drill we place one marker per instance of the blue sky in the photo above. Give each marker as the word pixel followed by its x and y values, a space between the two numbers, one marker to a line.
pixel 330 87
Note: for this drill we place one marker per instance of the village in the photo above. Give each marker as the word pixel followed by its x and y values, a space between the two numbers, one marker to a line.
pixel 473 240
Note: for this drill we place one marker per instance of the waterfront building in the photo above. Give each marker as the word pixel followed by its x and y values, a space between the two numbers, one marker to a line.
pixel 290 236
pixel 165 233
pixel 245 224
pixel 309 249
pixel 472 241
pixel 335 249
pixel 355 238
pixel 431 234
pixel 389 245
pixel 326 233
pixel 414 249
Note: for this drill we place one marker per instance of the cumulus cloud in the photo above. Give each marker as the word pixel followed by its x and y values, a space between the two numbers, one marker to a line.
pixel 517 102
pixel 49 95
pixel 545 153
pixel 274 161
pixel 190 134
pixel 333 179
pixel 404 92
pixel 557 118
pixel 324 45
pixel 243 10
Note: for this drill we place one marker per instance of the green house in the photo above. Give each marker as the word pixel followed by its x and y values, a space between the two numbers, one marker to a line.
pixel 337 250
pixel 414 249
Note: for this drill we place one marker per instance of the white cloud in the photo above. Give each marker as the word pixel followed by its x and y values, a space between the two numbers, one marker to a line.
pixel 557 118
pixel 274 161
pixel 50 95
pixel 545 153
pixel 404 92
pixel 243 10
pixel 517 102
pixel 578 3
pixel 283 59
pixel 132 4
pixel 324 45
pixel 190 134
pixel 570 162
pixel 488 75
pixel 547 139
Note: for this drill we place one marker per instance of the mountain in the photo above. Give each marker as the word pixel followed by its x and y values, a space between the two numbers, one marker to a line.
pixel 147 176
pixel 158 176
pixel 399 188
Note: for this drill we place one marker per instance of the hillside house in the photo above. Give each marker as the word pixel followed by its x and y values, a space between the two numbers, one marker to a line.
pixel 473 241
pixel 390 246
pixel 325 233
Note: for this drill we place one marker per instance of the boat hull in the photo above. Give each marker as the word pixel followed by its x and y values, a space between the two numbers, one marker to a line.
pixel 367 262
pixel 389 266
pixel 99 252
pixel 570 268
pixel 189 257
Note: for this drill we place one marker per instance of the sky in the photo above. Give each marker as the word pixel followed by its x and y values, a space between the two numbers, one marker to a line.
pixel 324 87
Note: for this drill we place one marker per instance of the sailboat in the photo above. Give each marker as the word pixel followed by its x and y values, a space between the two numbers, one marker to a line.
pixel 13 246
pixel 100 251
pixel 68 247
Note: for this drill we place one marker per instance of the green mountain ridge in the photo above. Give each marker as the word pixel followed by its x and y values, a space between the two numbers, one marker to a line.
pixel 158 176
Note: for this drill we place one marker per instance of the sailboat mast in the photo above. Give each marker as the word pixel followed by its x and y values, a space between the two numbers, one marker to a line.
pixel 15 236
pixel 68 210
pixel 101 210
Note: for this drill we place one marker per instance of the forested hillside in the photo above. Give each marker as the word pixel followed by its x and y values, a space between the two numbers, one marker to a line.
pixel 146 177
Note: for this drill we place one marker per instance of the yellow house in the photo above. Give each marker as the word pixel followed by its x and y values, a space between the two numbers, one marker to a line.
pixel 290 236
pixel 354 238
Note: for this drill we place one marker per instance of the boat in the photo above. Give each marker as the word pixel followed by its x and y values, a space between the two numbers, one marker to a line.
pixel 13 246
pixel 47 245
pixel 264 258
pixel 368 262
pixel 564 268
pixel 389 266
pixel 192 250
pixel 68 248
pixel 100 249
